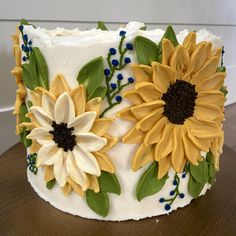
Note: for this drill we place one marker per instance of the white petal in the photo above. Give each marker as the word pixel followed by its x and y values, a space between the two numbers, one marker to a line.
pixel 86 161
pixel 59 170
pixel 44 119
pixel 41 135
pixel 48 104
pixel 83 123
pixel 54 156
pixel 64 111
pixel 46 152
pixel 91 142
pixel 74 172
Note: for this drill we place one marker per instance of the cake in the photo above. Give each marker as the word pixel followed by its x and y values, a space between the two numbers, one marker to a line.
pixel 123 124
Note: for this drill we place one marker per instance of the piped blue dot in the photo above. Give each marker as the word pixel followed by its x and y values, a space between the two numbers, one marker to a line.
pixel 30 42
pixel 131 80
pixel 161 200
pixel 21 27
pixel 129 46
pixel 119 76
pixel 115 62
pixel 25 37
pixel 122 33
pixel 172 193
pixel 26 49
pixel 167 207
pixel 112 51
pixel 113 85
pixel 181 195
pixel 175 182
pixel 118 98
pixel 127 60
pixel 30 49
pixel 183 175
pixel 23 47
pixel 24 58
pixel 107 72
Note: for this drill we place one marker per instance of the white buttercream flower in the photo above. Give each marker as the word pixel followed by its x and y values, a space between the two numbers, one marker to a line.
pixel 66 139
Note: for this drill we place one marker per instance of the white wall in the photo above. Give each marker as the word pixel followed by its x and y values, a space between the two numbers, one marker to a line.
pixel 215 15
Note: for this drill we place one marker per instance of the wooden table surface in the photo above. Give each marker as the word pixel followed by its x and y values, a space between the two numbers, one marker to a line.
pixel 22 212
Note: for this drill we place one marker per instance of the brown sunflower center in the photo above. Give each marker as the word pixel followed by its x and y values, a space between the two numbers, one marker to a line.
pixel 180 101
pixel 63 137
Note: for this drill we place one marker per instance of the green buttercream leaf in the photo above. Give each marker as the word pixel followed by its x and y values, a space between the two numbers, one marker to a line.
pixel 146 50
pixel 169 34
pixel 24 140
pixel 98 202
pixel 211 169
pixel 149 184
pixel 50 184
pixel 30 104
pixel 109 183
pixel 224 90
pixel 28 76
pixel 99 92
pixel 25 22
pixel 102 26
pixel 40 68
pixel 143 28
pixel 221 69
pixel 91 75
pixel 23 112
pixel 194 187
pixel 200 172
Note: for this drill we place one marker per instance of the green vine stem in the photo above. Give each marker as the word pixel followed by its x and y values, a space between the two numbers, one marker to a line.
pixel 114 89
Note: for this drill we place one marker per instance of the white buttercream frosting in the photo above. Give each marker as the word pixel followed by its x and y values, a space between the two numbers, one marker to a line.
pixel 66 51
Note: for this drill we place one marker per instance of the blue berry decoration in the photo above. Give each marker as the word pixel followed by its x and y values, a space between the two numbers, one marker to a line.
pixel 30 42
pixel 115 62
pixel 167 207
pixel 172 193
pixel 21 27
pixel 122 33
pixel 161 200
pixel 118 98
pixel 107 72
pixel 131 80
pixel 112 51
pixel 181 195
pixel 113 86
pixel 175 182
pixel 119 76
pixel 25 37
pixel 129 46
pixel 183 175
pixel 24 58
pixel 26 49
pixel 127 60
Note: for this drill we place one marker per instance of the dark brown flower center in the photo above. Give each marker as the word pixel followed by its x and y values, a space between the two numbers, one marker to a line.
pixel 180 101
pixel 62 135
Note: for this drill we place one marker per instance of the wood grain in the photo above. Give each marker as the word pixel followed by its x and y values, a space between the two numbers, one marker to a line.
pixel 22 212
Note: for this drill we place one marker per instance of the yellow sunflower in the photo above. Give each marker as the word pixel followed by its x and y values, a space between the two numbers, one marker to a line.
pixel 177 106
pixel 69 137
pixel 17 72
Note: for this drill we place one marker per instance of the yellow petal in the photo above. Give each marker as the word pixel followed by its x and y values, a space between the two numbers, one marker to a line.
pixel 36 98
pixel 17 72
pixel 192 153
pixel 207 70
pixel 203 129
pixel 111 142
pixel 94 105
pixel 218 52
pixel 179 60
pixel 66 189
pixel 33 119
pixel 59 86
pixel 167 50
pixel 148 91
pixel 198 57
pixel 144 109
pixel 206 111
pixel 78 96
pixel 154 135
pixel 48 173
pixel 163 166
pixel 190 42
pixel 104 162
pixel 142 156
pixel 147 122
pixel 177 155
pixel 165 145
pixel 214 82
pixel 142 73
pixel 133 97
pixel 21 92
pixel 17 54
pixel 133 136
pixel 126 114
pixel 27 125
pixel 163 76
pixel 93 183
pixel 35 146
pixel 215 97
pixel 201 144
pixel 76 187
pixel 101 126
